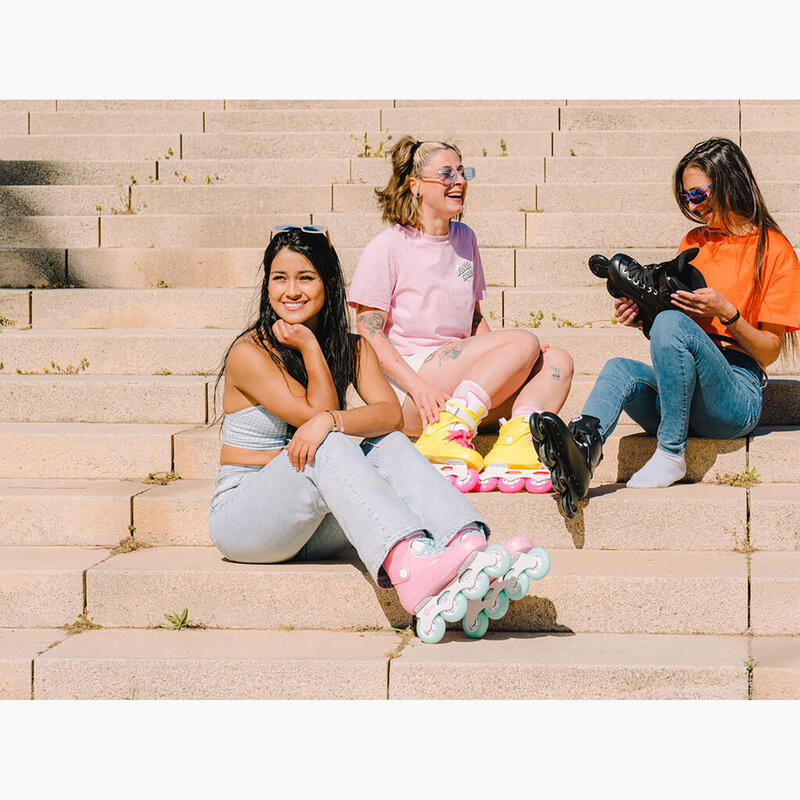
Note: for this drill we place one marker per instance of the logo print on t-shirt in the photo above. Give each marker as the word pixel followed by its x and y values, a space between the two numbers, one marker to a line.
pixel 465 270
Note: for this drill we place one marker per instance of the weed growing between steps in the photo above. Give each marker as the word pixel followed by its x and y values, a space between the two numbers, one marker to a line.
pixel 5 322
pixel 161 478
pixel 57 369
pixel 746 478
pixel 82 623
pixel 407 635
pixel 368 150
pixel 181 621
pixel 128 544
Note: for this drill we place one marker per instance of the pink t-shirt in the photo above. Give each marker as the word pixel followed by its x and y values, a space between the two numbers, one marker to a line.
pixel 428 284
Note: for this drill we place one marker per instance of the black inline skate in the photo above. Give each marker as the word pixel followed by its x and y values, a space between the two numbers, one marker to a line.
pixel 649 286
pixel 571 452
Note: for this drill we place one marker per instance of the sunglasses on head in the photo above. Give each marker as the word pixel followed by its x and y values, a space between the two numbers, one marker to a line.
pixel 449 175
pixel 321 229
pixel 696 196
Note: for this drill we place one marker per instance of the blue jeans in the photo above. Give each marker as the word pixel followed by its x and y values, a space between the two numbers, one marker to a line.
pixel 691 387
pixel 370 496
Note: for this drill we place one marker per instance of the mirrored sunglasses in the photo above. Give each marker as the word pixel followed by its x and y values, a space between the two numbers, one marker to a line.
pixel 450 174
pixel 323 229
pixel 696 196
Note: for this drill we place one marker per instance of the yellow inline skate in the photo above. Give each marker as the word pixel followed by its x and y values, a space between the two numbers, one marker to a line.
pixel 447 444
pixel 512 464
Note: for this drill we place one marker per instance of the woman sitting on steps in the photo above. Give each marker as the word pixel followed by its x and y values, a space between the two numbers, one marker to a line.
pixel 293 485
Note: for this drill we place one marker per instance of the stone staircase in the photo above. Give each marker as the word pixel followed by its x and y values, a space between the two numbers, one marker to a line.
pixel 129 250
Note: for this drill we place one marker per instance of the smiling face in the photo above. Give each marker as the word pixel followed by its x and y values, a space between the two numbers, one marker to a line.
pixel 296 291
pixel 437 198
pixel 694 178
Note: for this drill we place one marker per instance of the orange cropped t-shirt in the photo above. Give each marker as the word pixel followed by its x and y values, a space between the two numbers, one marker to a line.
pixel 726 263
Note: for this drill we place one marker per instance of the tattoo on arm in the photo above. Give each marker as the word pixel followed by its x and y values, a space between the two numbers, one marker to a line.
pixel 373 322
pixel 555 373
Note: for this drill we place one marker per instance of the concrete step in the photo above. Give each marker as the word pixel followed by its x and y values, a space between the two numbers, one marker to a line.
pixel 619 231
pixel 43 587
pixel 757 116
pixel 593 143
pixel 196 454
pixel 151 351
pixel 455 121
pixel 776 675
pixel 775 593
pixel 90 147
pixel 60 201
pixel 18 648
pixel 564 168
pixel 139 105
pixel 222 594
pixel 762 143
pixel 115 351
pixel 684 517
pixel 14 308
pixel 225 309
pixel 84 450
pixel 650 118
pixel 50 232
pixel 66 512
pixel 27 105
pixel 175 170
pixel 161 399
pixel 493 229
pixel 775 516
pixel 775 454
pixel 295 104
pixel 563 667
pixel 282 665
pixel 31 266
pixel 255 665
pixel 14 122
pixel 328 144
pixel 489 169
pixel 350 120
pixel 637 197
pixel 116 122
pixel 601 591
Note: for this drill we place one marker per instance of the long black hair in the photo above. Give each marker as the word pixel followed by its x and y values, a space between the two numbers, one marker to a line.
pixel 735 197
pixel 339 347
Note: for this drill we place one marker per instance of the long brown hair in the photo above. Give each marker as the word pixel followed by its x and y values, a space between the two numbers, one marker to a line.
pixel 409 157
pixel 735 198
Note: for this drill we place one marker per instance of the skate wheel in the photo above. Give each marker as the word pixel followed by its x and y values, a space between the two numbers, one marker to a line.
pixel 510 486
pixel 503 561
pixel 480 588
pixel 457 609
pixel 544 564
pixel 478 628
pixel 539 487
pixel 486 484
pixel 499 606
pixel 524 583
pixel 467 484
pixel 568 505
pixel 435 632
pixel 556 479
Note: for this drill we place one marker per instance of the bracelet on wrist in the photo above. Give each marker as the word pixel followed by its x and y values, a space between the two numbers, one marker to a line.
pixel 728 322
pixel 333 417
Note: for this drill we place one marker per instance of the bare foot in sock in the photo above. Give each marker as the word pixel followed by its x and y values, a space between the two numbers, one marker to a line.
pixel 663 469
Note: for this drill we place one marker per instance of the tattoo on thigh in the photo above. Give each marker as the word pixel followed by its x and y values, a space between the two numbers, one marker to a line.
pixel 451 352
pixel 555 373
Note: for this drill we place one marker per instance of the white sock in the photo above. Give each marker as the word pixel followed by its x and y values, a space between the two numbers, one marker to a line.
pixel 663 469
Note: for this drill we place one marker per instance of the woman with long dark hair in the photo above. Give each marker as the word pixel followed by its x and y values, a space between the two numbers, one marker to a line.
pixel 709 351
pixel 417 292
pixel 293 485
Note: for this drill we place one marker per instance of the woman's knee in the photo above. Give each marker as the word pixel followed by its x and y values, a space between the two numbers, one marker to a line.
pixel 523 347
pixel 556 358
pixel 619 369
pixel 670 325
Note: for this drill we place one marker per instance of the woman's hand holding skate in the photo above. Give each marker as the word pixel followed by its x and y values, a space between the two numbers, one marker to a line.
pixel 307 438
pixel 428 400
pixel 706 302
pixel 625 310
pixel 298 337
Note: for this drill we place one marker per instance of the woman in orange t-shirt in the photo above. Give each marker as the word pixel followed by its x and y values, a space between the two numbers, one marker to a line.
pixel 709 354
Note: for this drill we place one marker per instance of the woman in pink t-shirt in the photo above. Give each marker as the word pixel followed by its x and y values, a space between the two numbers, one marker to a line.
pixel 417 292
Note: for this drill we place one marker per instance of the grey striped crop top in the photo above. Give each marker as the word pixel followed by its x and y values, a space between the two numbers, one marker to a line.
pixel 254 428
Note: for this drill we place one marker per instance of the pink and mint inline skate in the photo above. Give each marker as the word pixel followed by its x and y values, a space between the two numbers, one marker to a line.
pixel 527 563
pixel 436 583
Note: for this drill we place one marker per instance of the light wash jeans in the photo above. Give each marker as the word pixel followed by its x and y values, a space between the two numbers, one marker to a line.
pixel 691 387
pixel 370 495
